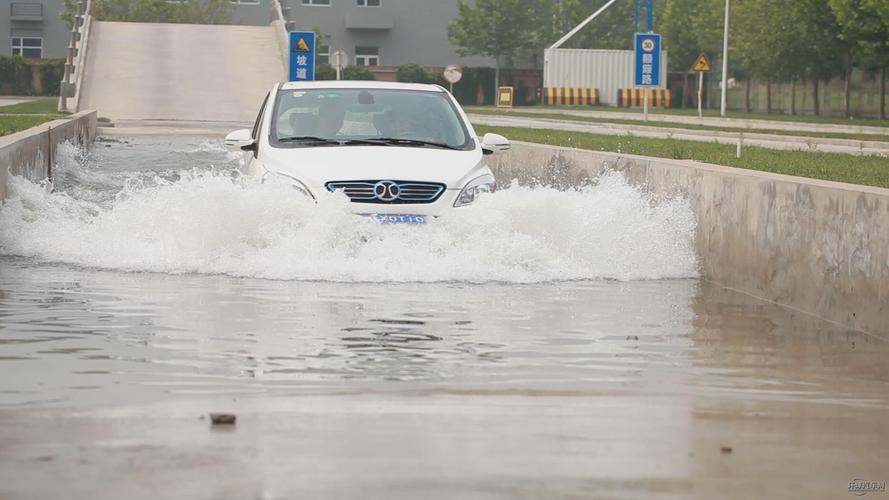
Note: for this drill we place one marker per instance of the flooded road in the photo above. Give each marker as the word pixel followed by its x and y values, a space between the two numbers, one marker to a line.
pixel 505 355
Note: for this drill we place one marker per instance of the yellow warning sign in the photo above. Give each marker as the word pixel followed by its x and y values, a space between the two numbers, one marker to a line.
pixel 702 64
pixel 302 46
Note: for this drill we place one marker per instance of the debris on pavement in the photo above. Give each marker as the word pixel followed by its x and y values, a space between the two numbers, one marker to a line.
pixel 223 418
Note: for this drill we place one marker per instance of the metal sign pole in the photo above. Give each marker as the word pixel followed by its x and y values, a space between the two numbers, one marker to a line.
pixel 338 64
pixel 724 62
pixel 700 95
pixel 645 103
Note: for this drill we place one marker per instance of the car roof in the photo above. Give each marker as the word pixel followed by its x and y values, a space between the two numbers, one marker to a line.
pixel 359 84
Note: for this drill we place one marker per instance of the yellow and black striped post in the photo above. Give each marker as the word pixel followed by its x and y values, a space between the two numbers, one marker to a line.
pixel 631 98
pixel 571 96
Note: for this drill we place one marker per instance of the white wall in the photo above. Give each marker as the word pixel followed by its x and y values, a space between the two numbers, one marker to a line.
pixel 606 70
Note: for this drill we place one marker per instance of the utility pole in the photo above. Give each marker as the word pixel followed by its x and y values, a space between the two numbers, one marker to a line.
pixel 724 61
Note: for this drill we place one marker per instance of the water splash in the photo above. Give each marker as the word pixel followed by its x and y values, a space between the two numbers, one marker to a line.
pixel 210 221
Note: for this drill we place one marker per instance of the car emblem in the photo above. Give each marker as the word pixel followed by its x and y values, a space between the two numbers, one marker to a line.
pixel 386 191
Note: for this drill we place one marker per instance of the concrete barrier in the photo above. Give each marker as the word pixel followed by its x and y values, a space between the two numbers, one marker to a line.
pixel 819 247
pixel 30 153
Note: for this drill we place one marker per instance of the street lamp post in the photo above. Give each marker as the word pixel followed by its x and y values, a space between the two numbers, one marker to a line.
pixel 724 61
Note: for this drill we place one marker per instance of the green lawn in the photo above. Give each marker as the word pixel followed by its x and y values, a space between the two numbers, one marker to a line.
pixel 43 106
pixel 23 115
pixel 866 170
pixel 12 124
pixel 714 113
pixel 555 115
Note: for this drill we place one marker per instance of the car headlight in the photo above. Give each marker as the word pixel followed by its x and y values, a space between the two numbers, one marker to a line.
pixel 477 186
pixel 286 179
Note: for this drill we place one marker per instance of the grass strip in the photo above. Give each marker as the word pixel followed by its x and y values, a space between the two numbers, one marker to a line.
pixel 12 124
pixel 714 113
pixel 864 170
pixel 684 126
pixel 45 106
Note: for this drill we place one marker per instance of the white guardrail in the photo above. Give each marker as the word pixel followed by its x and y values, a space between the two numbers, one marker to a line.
pixel 69 95
pixel 279 20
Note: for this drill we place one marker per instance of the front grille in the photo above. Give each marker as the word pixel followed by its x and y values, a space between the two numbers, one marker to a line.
pixel 407 191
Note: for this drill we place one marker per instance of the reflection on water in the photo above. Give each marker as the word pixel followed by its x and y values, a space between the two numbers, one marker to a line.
pixel 207 334
pixel 145 336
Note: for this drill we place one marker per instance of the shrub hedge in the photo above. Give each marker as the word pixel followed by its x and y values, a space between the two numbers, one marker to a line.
pixel 20 76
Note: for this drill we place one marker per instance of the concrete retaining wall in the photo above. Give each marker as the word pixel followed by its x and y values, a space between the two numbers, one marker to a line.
pixel 816 246
pixel 30 152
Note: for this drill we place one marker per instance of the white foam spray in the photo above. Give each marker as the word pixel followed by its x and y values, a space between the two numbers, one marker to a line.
pixel 211 222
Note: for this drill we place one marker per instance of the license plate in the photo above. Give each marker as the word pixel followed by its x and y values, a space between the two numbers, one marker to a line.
pixel 399 218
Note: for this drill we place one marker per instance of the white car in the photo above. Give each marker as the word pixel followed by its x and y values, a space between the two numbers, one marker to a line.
pixel 400 152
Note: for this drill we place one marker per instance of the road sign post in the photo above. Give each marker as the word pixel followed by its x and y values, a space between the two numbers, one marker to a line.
pixel 701 95
pixel 302 56
pixel 647 64
pixel 702 65
pixel 453 73
pixel 340 58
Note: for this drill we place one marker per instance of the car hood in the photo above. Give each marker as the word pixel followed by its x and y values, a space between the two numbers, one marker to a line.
pixel 316 166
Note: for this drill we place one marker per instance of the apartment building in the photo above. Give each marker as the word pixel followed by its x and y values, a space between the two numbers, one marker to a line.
pixel 371 32
pixel 33 29
pixel 383 32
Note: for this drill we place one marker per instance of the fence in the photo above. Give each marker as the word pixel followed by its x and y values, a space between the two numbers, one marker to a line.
pixel 787 98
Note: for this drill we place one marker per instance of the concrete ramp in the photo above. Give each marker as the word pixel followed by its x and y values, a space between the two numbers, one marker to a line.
pixel 182 72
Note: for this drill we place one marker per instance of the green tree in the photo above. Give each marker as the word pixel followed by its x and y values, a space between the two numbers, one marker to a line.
pixel 865 35
pixel 822 49
pixel 69 9
pixel 549 20
pixel 160 11
pixel 204 12
pixel 493 28
pixel 683 44
pixel 788 40
pixel 761 32
pixel 865 25
pixel 691 27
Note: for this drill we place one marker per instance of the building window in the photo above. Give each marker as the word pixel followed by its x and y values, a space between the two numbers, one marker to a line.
pixel 368 3
pixel 316 2
pixel 367 56
pixel 30 47
pixel 246 2
pixel 322 54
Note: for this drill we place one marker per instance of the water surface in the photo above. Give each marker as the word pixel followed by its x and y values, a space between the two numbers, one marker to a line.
pixel 553 344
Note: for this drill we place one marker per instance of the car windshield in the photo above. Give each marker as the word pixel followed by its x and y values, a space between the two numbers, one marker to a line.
pixel 318 117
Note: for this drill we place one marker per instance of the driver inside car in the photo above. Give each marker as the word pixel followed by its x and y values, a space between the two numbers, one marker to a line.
pixel 331 114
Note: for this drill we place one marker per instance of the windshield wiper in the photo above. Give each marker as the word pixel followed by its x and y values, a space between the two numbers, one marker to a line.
pixel 311 139
pixel 364 142
pixel 409 142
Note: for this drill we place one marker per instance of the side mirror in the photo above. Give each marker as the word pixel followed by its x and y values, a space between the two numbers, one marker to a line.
pixel 494 143
pixel 240 140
